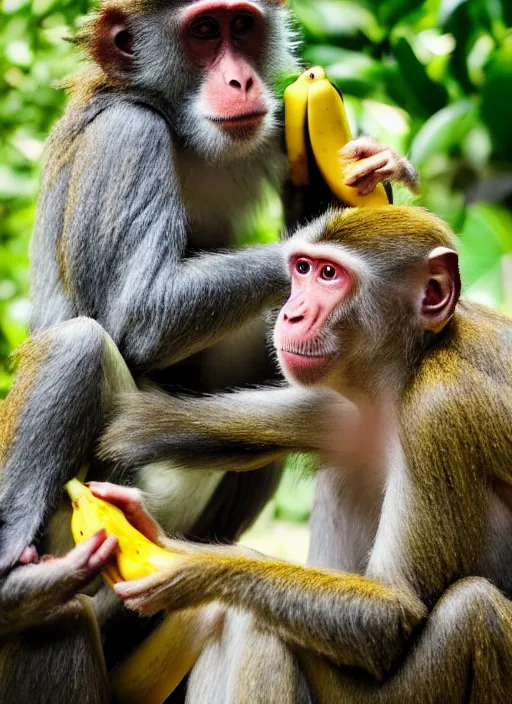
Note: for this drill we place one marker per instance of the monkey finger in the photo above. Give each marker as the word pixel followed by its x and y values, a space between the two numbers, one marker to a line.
pixel 355 171
pixel 29 556
pixel 79 557
pixel 138 587
pixel 103 554
pixel 129 500
pixel 360 148
pixel 367 184
pixel 143 607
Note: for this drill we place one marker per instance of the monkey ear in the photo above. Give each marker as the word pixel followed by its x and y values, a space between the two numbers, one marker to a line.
pixel 112 42
pixel 441 290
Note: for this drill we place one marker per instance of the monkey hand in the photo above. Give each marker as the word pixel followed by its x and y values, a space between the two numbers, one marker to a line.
pixel 180 587
pixel 129 500
pixel 33 590
pixel 197 577
pixel 64 576
pixel 366 163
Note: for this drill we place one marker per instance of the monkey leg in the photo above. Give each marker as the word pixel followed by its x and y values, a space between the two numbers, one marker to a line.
pixel 464 654
pixel 244 665
pixel 66 378
pixel 58 663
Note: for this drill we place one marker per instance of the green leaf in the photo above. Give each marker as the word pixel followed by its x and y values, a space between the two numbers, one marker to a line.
pixel 447 9
pixel 393 11
pixel 497 101
pixel 485 238
pixel 443 131
pixel 353 72
pixel 294 496
pixel 424 96
pixel 337 18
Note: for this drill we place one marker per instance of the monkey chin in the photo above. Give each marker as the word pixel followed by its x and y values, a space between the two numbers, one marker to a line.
pixel 305 370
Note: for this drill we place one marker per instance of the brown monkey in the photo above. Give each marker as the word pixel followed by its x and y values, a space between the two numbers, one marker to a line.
pixel 406 392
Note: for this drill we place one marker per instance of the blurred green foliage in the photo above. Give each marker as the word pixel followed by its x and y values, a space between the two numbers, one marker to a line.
pixel 432 79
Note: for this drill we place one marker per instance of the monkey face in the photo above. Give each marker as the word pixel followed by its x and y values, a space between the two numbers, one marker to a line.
pixel 233 111
pixel 370 287
pixel 306 345
pixel 214 62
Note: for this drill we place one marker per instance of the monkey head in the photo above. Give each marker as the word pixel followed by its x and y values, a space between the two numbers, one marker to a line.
pixel 371 289
pixel 213 61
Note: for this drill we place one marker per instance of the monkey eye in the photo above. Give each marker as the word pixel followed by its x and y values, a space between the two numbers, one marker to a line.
pixel 205 28
pixel 303 266
pixel 328 272
pixel 242 24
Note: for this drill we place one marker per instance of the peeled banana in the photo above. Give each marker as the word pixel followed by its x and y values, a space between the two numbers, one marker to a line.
pixel 136 557
pixel 314 107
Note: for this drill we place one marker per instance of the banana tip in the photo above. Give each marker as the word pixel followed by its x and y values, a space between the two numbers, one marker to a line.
pixel 75 489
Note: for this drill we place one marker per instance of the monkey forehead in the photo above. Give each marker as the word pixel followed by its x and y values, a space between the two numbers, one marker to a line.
pixel 410 232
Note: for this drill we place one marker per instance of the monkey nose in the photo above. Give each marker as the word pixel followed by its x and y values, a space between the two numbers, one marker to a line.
pixel 292 319
pixel 242 85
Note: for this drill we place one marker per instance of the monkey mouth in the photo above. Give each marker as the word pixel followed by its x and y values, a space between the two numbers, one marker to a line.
pixel 304 366
pixel 240 126
pixel 304 358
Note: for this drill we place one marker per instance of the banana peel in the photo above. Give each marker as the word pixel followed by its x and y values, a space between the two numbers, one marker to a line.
pixel 315 117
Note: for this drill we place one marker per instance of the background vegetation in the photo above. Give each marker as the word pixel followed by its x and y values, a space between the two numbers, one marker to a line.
pixel 431 78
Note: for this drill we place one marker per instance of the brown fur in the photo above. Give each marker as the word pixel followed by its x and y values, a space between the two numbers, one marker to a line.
pixel 433 448
pixel 30 358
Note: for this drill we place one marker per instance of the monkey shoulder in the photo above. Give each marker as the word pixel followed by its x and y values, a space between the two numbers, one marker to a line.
pixel 107 130
pixel 461 394
pixel 133 128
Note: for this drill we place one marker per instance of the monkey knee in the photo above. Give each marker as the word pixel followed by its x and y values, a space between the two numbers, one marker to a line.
pixel 476 606
pixel 67 345
pixel 83 337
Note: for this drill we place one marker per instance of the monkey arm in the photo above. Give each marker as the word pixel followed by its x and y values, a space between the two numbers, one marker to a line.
pixel 123 252
pixel 236 431
pixel 348 618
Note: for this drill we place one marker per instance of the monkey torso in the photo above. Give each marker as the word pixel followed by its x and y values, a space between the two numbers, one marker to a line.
pixel 203 202
pixel 467 416
pixel 213 200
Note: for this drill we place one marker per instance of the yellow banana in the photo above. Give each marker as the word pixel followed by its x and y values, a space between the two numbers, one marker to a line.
pixel 329 132
pixel 295 121
pixel 136 557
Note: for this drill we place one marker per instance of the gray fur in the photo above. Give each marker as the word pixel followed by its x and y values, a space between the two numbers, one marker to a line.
pixel 133 243
pixel 67 395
